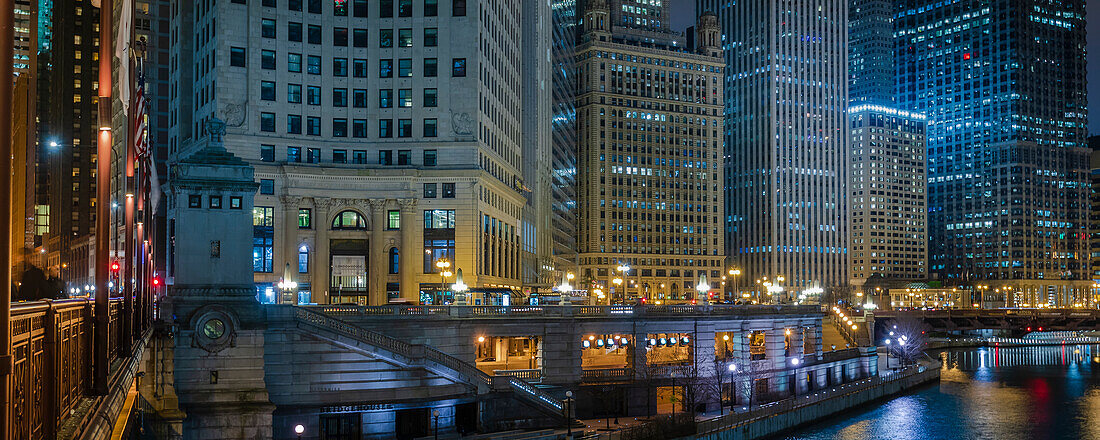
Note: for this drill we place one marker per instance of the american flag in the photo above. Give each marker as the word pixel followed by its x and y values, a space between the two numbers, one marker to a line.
pixel 141 138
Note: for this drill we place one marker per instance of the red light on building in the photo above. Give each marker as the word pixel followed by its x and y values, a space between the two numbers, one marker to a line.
pixel 966 56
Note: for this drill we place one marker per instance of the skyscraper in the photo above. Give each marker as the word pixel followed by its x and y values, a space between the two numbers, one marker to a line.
pixel 387 137
pixel 563 173
pixel 786 140
pixel 1002 84
pixel 649 124
pixel 871 52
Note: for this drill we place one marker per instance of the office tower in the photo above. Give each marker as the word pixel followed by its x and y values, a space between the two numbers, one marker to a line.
pixel 387 137
pixel 887 197
pixel 1094 204
pixel 1002 84
pixel 871 52
pixel 563 174
pixel 24 128
pixel 649 133
pixel 538 265
pixel 68 141
pixel 786 142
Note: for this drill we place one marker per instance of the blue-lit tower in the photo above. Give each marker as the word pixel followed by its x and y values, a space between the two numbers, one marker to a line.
pixel 1002 84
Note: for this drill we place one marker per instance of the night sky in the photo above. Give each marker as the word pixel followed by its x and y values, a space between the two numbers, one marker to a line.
pixel 683 15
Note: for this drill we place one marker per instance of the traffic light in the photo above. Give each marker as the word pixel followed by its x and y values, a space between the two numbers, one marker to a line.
pixel 156 281
pixel 115 266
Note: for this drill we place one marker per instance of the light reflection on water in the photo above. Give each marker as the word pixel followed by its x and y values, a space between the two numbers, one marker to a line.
pixel 1021 393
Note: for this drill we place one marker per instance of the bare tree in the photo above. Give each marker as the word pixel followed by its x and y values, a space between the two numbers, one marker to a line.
pixel 908 338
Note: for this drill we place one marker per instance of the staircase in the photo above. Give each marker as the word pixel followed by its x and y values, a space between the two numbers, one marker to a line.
pixel 432 360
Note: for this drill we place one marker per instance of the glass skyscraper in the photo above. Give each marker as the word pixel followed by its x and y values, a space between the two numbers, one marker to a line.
pixel 1002 84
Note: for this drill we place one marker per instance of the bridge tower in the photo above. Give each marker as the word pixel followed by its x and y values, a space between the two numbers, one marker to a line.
pixel 218 325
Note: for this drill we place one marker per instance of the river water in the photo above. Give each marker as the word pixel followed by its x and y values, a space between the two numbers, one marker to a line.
pixel 1050 392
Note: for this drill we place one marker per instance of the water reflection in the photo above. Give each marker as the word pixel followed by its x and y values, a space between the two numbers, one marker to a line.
pixel 1050 392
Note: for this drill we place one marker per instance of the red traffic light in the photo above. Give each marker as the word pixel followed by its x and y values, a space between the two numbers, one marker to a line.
pixel 156 281
pixel 114 266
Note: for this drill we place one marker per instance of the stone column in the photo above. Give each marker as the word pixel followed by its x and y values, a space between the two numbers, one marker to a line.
pixel 290 246
pixel 323 262
pixel 411 254
pixel 379 257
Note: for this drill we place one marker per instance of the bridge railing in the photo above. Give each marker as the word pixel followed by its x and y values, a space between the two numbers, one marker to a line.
pixel 555 311
pixel 53 359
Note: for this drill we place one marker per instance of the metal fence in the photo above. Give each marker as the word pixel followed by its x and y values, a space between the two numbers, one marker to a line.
pixel 578 311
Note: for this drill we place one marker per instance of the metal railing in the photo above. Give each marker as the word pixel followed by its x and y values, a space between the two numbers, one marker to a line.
pixel 579 311
pixel 53 359
pixel 606 375
pixel 468 372
pixel 532 376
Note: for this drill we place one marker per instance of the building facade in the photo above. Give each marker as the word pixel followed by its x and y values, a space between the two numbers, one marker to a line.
pixel 786 141
pixel 1094 211
pixel 649 129
pixel 1002 84
pixel 887 200
pixel 871 52
pixel 387 137
pixel 563 174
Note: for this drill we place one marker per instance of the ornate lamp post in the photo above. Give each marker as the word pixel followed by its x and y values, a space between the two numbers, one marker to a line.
pixel 444 272
pixel 286 286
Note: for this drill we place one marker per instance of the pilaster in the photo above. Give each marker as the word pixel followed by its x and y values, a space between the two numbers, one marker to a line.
pixel 320 280
pixel 410 252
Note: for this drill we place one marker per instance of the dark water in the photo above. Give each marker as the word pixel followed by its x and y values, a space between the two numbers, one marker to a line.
pixel 1010 393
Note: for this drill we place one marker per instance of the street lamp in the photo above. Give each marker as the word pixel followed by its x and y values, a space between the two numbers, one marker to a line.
pixel 618 282
pixel 625 270
pixel 444 272
pixel 299 429
pixel 568 411
pixel 734 272
pixel 732 369
pixel 435 415
pixel 286 285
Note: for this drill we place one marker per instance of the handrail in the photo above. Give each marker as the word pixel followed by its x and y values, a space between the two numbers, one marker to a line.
pixel 568 312
pixel 471 373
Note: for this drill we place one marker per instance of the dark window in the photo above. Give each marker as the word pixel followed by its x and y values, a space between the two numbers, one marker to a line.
pixel 314 7
pixel 267 90
pixel 359 128
pixel 340 8
pixel 404 38
pixel 267 59
pixel 359 68
pixel 294 93
pixel 313 126
pixel 294 62
pixel 314 34
pixel 339 97
pixel 314 65
pixel 429 190
pixel 385 68
pixel 194 201
pixel 429 158
pixel 430 97
pixel 458 67
pixel 313 155
pixel 294 31
pixel 359 37
pixel 385 98
pixel 294 154
pixel 267 153
pixel 403 157
pixel 294 124
pixel 385 157
pixel 237 57
pixel 431 127
pixel 339 67
pixel 431 8
pixel 359 157
pixel 339 127
pixel 385 38
pixel 267 186
pixel 431 67
pixel 431 37
pixel 349 220
pixel 313 95
pixel 269 3
pixel 405 67
pixel 267 122
pixel 267 28
pixel 458 8
pixel 448 190
pixel 404 8
pixel 359 8
pixel 359 98
pixel 385 8
pixel 339 36
pixel 294 5
pixel 238 1
pixel 395 261
pixel 339 156
pixel 385 129
pixel 404 128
